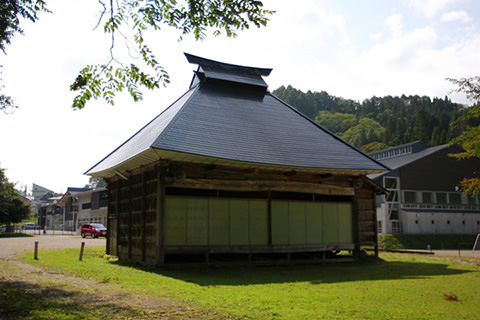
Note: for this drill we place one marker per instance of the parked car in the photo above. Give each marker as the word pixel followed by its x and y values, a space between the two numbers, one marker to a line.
pixel 30 226
pixel 93 229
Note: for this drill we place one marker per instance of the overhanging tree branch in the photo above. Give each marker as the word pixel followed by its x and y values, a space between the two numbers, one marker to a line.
pixel 103 81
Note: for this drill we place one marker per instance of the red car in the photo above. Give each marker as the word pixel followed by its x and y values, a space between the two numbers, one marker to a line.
pixel 94 230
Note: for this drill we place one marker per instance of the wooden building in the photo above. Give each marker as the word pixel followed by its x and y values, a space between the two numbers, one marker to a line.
pixel 230 170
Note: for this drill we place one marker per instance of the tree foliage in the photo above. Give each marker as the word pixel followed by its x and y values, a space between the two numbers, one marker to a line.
pixel 377 122
pixel 467 130
pixel 131 20
pixel 103 81
pixel 96 183
pixel 13 208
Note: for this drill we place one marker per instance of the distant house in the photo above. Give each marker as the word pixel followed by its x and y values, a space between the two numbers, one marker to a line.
pixel 84 205
pixel 230 170
pixel 50 214
pixel 39 192
pixel 424 196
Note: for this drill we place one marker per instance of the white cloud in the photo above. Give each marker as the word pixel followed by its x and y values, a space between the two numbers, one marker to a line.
pixel 430 7
pixel 376 36
pixel 394 23
pixel 456 16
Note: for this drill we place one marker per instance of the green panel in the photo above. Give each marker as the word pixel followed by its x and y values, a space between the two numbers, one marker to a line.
pixel 314 222
pixel 238 222
pixel 280 222
pixel 330 223
pixel 197 222
pixel 345 233
pixel 258 222
pixel 219 231
pixel 296 217
pixel 175 214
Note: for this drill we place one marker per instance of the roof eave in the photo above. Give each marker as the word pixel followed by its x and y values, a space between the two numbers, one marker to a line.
pixel 151 156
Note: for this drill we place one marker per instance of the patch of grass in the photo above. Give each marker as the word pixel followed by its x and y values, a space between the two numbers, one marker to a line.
pixel 398 287
pixel 37 297
pixel 420 241
pixel 14 235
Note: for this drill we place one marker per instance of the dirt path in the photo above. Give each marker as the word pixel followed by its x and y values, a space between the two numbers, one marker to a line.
pixel 45 287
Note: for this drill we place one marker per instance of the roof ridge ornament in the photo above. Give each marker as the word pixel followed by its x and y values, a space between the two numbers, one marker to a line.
pixel 227 73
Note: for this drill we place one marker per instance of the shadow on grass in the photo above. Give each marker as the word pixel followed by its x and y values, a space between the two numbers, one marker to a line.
pixel 370 269
pixel 24 300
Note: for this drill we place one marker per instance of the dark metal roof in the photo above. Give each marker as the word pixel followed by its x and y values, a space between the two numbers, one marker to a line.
pixel 237 124
pixel 229 72
pixel 398 162
pixel 75 189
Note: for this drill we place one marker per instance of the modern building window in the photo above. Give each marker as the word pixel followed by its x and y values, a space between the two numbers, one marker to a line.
pixel 409 197
pixel 454 198
pixel 427 197
pixel 441 197
pixel 391 183
pixel 471 200
pixel 393 211
pixel 395 226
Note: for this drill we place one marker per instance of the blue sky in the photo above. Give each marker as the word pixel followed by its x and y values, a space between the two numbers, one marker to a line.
pixel 352 49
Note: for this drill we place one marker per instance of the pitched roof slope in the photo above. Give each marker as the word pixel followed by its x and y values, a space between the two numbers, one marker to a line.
pixel 232 117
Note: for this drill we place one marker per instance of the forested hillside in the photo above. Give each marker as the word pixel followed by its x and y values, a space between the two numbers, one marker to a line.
pixel 378 122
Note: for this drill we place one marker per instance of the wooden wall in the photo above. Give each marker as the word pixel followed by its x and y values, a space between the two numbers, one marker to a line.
pixel 146 220
pixel 132 217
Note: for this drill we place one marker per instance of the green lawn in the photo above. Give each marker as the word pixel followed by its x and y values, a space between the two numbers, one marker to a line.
pixel 399 287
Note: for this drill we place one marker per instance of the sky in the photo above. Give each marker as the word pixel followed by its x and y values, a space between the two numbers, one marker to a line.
pixel 351 49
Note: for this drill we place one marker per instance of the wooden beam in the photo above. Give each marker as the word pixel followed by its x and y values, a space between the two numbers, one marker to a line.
pixel 263 185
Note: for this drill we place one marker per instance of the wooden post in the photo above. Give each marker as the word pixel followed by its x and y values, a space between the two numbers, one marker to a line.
pixel 160 210
pixel 356 225
pixel 269 217
pixel 81 251
pixel 130 217
pixel 374 206
pixel 35 251
pixel 117 236
pixel 144 212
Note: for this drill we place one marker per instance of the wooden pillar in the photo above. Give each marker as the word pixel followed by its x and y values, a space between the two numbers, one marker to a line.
pixel 356 225
pixel 117 199
pixel 269 217
pixel 109 224
pixel 144 212
pixel 160 217
pixel 374 206
pixel 130 218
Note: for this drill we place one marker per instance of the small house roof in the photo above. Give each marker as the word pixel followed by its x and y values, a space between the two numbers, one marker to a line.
pixel 228 117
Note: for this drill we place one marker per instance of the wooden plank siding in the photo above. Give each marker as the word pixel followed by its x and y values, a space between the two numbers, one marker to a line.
pixel 182 207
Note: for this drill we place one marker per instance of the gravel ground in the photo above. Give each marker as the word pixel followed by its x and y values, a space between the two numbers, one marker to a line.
pixel 10 247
